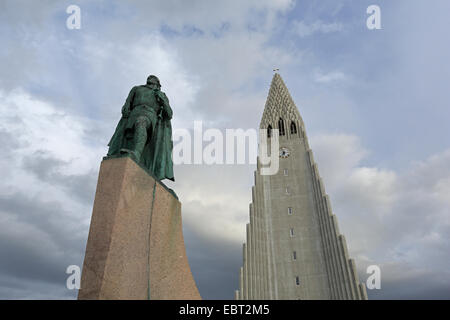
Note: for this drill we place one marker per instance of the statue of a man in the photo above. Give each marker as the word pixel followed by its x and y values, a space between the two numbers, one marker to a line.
pixel 144 131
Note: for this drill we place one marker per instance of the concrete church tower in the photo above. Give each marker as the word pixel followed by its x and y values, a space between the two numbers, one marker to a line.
pixel 294 249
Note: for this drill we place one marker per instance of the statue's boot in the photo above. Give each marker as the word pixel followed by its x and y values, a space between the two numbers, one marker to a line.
pixel 128 151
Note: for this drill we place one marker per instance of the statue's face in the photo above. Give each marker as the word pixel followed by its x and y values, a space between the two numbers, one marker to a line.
pixel 153 83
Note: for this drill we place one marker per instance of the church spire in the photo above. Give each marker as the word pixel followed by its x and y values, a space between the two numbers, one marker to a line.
pixel 293 248
pixel 279 105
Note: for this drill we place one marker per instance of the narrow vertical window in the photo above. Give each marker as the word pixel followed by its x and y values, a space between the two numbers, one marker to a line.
pixel 293 128
pixel 297 280
pixel 291 232
pixel 281 127
pixel 288 191
pixel 285 172
pixel 290 211
pixel 294 255
pixel 269 131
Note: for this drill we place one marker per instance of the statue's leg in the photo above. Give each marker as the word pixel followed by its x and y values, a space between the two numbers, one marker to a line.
pixel 140 136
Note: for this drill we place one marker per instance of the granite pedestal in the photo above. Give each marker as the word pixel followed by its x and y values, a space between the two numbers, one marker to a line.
pixel 135 248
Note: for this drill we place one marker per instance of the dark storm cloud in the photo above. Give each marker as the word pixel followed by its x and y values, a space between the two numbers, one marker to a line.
pixel 48 170
pixel 38 243
pixel 403 281
pixel 214 264
pixel 22 288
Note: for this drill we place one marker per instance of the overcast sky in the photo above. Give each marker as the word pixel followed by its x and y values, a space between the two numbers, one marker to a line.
pixel 375 105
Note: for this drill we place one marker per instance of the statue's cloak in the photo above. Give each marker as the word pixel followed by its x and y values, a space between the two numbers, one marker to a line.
pixel 157 153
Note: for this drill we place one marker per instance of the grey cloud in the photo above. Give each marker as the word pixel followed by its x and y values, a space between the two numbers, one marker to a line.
pixel 9 143
pixel 239 54
pixel 41 241
pixel 12 288
pixel 304 30
pixel 407 236
pixel 214 264
pixel 403 281
pixel 48 170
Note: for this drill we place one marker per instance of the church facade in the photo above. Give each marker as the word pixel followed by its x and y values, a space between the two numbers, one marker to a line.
pixel 293 248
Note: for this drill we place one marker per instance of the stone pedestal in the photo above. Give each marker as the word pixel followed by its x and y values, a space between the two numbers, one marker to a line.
pixel 135 248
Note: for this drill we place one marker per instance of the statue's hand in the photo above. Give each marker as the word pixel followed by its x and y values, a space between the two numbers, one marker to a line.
pixel 161 98
pixel 157 95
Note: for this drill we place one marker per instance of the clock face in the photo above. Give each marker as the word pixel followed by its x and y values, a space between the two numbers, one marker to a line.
pixel 284 152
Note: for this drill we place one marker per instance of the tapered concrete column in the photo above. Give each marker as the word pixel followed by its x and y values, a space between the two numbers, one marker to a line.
pixel 135 248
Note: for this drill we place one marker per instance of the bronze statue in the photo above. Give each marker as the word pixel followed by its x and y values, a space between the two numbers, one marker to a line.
pixel 144 132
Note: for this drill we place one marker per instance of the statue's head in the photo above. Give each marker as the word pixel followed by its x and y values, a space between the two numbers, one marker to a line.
pixel 153 82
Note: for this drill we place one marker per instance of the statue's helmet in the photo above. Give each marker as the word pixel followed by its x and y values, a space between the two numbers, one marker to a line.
pixel 153 79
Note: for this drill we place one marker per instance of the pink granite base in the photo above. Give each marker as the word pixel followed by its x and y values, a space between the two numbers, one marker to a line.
pixel 135 248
